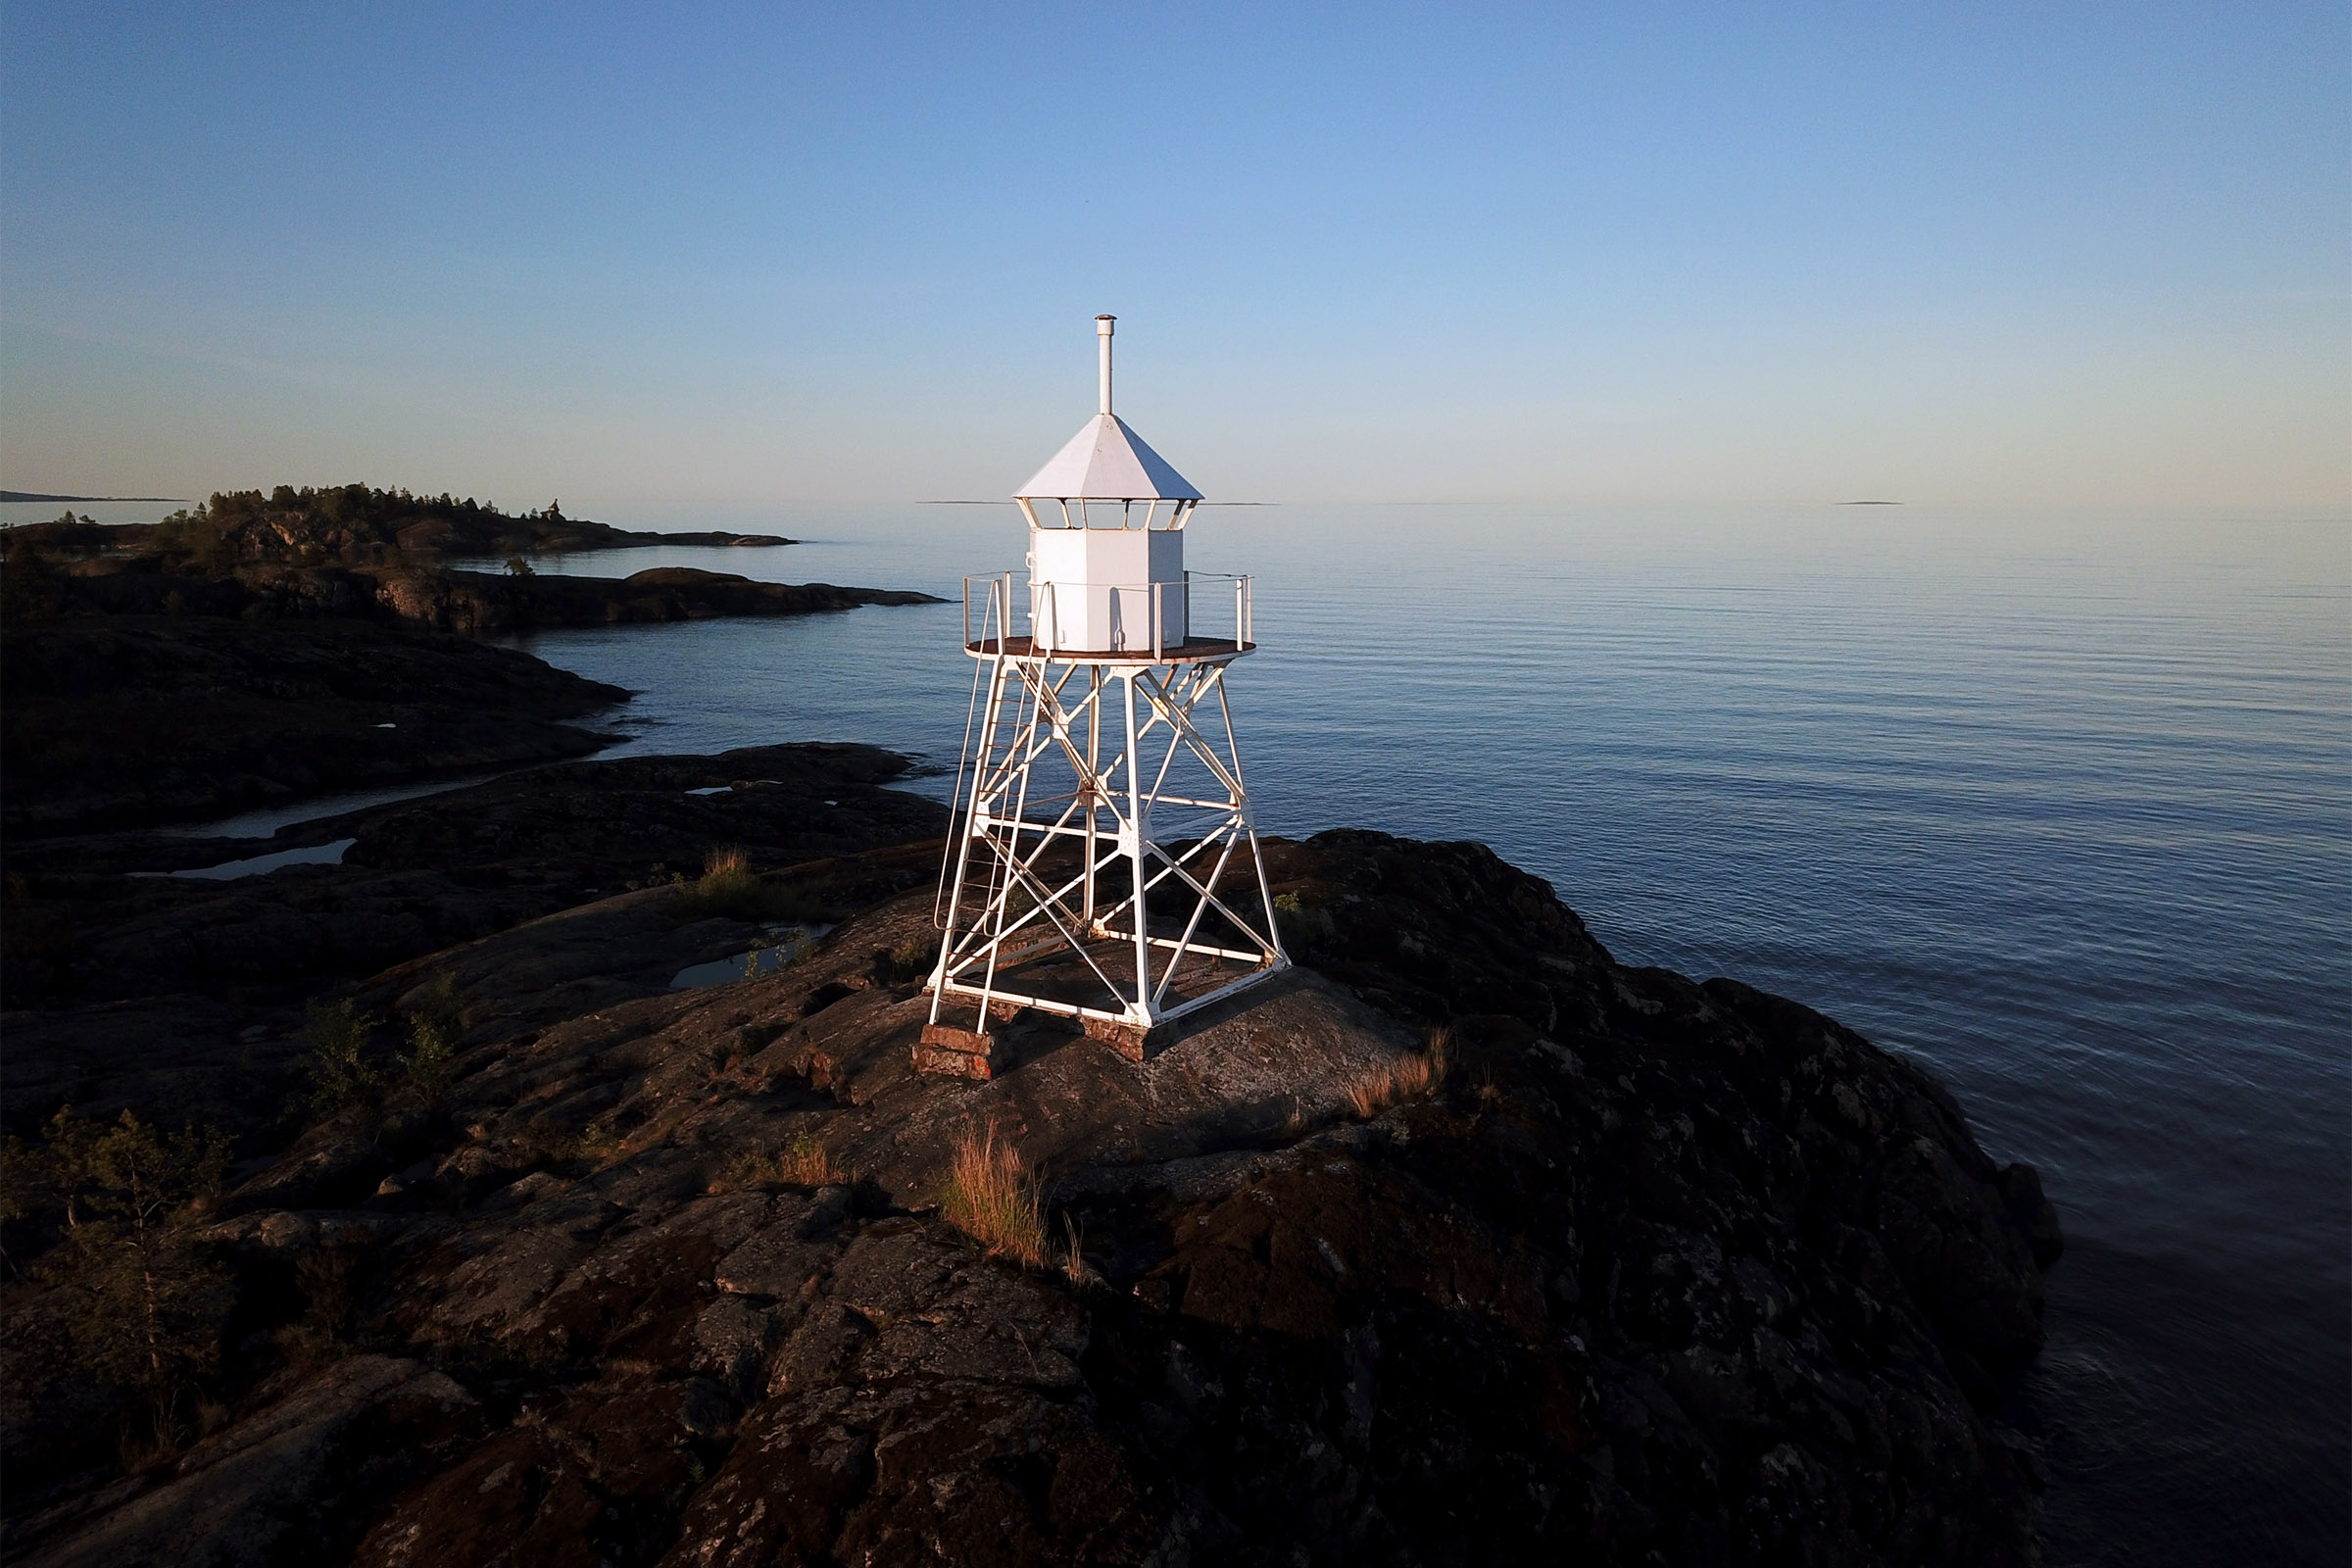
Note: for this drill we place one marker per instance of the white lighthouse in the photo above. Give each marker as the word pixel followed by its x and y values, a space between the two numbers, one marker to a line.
pixel 1104 865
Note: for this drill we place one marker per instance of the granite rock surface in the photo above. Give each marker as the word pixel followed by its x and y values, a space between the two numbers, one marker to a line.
pixel 1657 1272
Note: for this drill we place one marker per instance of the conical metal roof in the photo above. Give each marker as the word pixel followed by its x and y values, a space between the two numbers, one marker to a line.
pixel 1106 460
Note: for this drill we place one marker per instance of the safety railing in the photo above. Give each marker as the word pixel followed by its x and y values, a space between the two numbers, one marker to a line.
pixel 995 611
pixel 1177 615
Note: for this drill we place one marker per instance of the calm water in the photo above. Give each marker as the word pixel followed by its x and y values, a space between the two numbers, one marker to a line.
pixel 2060 803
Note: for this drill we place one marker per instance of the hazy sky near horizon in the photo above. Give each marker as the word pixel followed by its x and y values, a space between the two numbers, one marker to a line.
pixel 1994 254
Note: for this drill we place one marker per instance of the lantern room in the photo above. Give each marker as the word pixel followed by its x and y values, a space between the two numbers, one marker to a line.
pixel 1107 518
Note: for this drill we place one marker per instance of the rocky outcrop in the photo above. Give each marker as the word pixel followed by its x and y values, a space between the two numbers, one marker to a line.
pixel 352 522
pixel 1658 1272
pixel 279 1488
pixel 128 721
pixel 482 603
pixel 183 997
pixel 476 603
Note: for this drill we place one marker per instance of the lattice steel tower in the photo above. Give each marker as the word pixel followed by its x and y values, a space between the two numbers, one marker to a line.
pixel 1103 863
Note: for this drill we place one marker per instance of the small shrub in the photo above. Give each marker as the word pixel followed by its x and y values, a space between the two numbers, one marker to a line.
pixel 31 589
pixel 435 1024
pixel 338 1067
pixel 442 1004
pixel 145 1304
pixel 1298 925
pixel 430 1061
pixel 992 1196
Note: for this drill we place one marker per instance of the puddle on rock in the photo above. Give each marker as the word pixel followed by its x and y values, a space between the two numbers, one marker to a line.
pixel 230 870
pixel 785 944
pixel 740 784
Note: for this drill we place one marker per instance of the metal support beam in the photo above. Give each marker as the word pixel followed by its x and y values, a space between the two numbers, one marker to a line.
pixel 1043 778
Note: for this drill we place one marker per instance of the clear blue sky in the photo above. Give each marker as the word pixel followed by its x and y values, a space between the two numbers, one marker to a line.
pixel 1747 253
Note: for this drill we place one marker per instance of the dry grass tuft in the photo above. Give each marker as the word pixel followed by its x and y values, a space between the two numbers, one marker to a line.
pixel 992 1196
pixel 807 1162
pixel 1408 1078
pixel 728 887
pixel 802 1162
pixel 1391 1082
pixel 1441 1052
pixel 727 878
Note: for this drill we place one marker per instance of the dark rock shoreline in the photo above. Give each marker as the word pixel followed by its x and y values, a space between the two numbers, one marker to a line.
pixel 447 599
pixel 349 520
pixel 138 696
pixel 355 553
pixel 482 603
pixel 265 648
pixel 126 721
pixel 1660 1273
pixel 180 997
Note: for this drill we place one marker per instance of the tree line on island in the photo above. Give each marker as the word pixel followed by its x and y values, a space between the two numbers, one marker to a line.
pixel 354 551
pixel 349 524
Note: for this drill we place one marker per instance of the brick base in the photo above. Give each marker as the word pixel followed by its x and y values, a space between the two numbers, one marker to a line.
pixel 1124 1038
pixel 951 1053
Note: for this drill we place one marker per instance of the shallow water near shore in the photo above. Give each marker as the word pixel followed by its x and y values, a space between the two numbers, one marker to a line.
pixel 2060 803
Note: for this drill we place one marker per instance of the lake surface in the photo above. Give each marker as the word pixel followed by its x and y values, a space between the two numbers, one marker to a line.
pixel 2060 803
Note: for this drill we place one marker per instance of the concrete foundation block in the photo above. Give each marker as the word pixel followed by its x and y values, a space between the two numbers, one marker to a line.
pixel 949 1053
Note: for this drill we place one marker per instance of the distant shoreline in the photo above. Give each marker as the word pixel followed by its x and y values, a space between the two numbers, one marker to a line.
pixel 26 495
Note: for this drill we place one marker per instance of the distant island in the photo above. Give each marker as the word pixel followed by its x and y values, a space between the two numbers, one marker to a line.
pixel 28 495
pixel 266 646
pixel 356 523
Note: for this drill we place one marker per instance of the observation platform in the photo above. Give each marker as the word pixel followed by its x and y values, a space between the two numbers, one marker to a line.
pixel 1196 619
pixel 1193 651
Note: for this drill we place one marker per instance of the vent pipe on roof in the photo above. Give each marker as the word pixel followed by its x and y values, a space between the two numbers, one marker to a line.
pixel 1103 325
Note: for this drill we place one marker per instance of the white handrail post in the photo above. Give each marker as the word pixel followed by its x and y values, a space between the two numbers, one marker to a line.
pixel 1241 621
